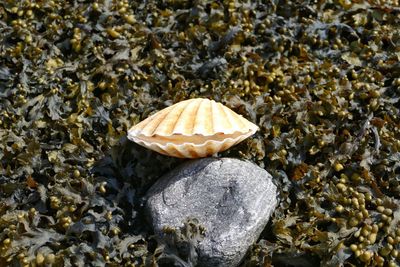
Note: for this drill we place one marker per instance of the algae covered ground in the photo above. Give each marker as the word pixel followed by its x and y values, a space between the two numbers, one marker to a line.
pixel 320 78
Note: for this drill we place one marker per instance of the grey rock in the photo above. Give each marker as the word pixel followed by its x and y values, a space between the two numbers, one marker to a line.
pixel 231 198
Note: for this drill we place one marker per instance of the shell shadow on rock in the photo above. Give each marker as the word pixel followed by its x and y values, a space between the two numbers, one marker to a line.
pixel 193 128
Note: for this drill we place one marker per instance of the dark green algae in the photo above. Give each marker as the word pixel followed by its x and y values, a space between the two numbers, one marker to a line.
pixel 320 78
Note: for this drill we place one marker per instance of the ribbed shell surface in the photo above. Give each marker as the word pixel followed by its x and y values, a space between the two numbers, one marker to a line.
pixel 192 128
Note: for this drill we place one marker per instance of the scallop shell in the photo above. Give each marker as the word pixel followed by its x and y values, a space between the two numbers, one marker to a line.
pixel 193 128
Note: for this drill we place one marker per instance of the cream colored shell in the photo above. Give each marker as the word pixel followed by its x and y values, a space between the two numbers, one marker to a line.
pixel 192 128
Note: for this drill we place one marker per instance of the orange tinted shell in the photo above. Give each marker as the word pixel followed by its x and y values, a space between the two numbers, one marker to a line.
pixel 193 128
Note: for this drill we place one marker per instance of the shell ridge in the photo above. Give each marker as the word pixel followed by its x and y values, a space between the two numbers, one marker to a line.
pixel 138 127
pixel 228 116
pixel 175 149
pixel 162 121
pixel 159 121
pixel 202 119
pixel 212 104
pixel 238 119
pixel 179 117
pixel 181 123
pixel 144 126
pixel 211 115
pixel 195 117
pixel 222 121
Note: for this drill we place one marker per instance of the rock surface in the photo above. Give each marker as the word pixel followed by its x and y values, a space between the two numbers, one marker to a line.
pixel 231 198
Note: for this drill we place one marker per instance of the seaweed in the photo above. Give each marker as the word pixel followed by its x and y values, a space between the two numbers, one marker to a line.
pixel 320 78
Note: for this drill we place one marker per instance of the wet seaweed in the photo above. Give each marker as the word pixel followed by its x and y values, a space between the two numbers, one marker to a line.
pixel 320 78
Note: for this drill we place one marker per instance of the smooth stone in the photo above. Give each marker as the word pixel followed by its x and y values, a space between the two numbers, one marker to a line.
pixel 231 198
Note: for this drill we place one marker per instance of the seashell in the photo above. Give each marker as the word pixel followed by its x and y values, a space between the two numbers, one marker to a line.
pixel 192 128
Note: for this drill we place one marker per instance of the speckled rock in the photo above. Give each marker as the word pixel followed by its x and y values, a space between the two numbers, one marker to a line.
pixel 231 198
